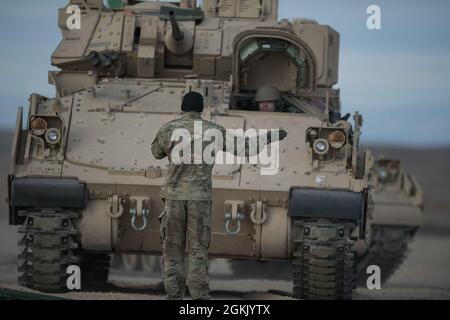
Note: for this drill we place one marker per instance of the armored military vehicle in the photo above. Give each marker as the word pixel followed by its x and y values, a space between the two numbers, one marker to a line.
pixel 83 183
pixel 398 204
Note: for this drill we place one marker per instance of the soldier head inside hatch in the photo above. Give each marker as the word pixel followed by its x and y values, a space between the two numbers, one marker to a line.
pixel 267 98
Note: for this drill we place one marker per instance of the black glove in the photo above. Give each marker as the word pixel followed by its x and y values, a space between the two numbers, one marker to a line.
pixel 282 134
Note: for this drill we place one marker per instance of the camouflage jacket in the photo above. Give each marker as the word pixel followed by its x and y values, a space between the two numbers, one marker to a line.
pixel 184 181
pixel 193 181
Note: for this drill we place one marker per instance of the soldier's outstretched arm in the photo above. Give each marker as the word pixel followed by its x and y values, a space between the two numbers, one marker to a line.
pixel 253 145
pixel 271 137
pixel 262 141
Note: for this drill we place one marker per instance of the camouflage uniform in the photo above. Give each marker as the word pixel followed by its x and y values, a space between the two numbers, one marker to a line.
pixel 187 215
pixel 186 222
pixel 186 219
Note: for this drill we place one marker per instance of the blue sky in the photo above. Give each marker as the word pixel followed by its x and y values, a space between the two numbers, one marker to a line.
pixel 397 77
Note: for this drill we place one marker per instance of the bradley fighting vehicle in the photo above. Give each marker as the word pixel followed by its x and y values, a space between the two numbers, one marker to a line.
pixel 83 183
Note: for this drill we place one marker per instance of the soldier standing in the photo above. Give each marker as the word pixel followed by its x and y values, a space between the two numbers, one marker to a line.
pixel 186 219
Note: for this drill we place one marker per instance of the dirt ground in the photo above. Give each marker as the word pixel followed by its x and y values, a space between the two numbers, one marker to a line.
pixel 424 275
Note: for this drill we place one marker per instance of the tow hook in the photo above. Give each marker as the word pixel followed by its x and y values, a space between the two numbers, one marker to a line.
pixel 234 214
pixel 139 208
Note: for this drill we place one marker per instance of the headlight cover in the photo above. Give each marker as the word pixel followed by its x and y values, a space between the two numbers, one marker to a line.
pixel 383 174
pixel 321 146
pixel 53 136
pixel 38 126
pixel 337 139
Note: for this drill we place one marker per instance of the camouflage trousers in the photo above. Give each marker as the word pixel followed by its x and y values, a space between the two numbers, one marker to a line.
pixel 186 225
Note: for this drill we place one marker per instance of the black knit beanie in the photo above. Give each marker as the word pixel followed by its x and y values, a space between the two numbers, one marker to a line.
pixel 192 101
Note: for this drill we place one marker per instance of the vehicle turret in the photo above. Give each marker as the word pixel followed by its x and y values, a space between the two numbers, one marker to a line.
pixel 178 40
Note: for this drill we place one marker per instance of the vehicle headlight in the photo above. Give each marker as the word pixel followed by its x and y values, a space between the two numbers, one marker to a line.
pixel 38 126
pixel 383 174
pixel 53 136
pixel 337 139
pixel 321 146
pixel 393 168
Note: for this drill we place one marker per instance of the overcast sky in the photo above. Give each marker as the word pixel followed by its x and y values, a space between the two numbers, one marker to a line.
pixel 397 77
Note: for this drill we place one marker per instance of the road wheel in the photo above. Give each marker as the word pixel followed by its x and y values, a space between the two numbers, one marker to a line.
pixel 130 262
pixel 151 264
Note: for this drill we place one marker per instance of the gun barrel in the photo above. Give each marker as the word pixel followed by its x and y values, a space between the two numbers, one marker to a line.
pixel 176 31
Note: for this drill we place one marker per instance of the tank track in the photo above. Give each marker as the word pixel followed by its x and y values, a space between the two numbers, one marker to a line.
pixel 49 247
pixel 323 260
pixel 95 271
pixel 388 249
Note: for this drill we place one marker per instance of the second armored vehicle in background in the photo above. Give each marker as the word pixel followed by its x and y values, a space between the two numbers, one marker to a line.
pixel 398 205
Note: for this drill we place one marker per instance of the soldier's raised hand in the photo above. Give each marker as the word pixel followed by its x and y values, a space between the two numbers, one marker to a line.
pixel 282 134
